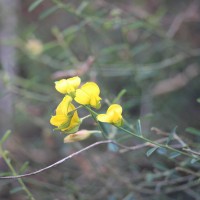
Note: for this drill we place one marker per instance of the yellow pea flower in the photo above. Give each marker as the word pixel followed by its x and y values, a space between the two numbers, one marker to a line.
pixel 68 86
pixel 66 118
pixel 88 94
pixel 112 116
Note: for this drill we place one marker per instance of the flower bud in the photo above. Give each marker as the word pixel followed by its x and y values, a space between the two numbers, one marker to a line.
pixel 78 136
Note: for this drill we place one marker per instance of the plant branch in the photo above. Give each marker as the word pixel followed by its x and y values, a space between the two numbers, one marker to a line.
pixel 7 160
pixel 160 145
pixel 127 148
pixel 58 162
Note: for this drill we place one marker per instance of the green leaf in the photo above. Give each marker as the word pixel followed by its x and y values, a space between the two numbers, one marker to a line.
pixel 150 151
pixel 103 128
pixel 5 173
pixel 149 177
pixel 198 100
pixel 193 131
pixel 34 5
pixel 73 130
pixel 23 167
pixel 135 25
pixel 171 135
pixel 138 128
pixel 48 12
pixel 113 147
pixel 119 96
pixel 194 160
pixel 15 190
pixel 162 151
pixel 82 6
pixel 174 155
pixel 161 166
pixel 5 136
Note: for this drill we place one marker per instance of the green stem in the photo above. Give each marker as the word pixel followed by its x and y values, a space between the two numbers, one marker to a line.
pixel 158 144
pixel 7 160
pixel 94 114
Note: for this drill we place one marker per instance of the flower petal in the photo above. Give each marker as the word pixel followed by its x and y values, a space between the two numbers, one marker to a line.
pixel 82 97
pixel 104 118
pixel 116 108
pixel 66 118
pixel 88 94
pixel 91 88
pixel 57 120
pixel 74 81
pixel 68 86
pixel 64 106
pixel 112 116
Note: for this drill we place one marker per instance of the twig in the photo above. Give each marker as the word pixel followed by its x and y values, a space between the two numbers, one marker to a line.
pixel 7 160
pixel 187 171
pixel 182 187
pixel 191 151
pixel 69 157
pixel 60 161
pixel 148 143
pixel 80 151
pixel 125 148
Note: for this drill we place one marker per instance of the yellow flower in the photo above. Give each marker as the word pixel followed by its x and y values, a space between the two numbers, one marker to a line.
pixel 68 86
pixel 78 136
pixel 88 94
pixel 112 116
pixel 66 118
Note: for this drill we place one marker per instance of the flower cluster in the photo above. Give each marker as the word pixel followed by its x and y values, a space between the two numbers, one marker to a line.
pixel 66 117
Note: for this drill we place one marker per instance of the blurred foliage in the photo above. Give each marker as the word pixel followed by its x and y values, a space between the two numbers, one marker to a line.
pixel 150 48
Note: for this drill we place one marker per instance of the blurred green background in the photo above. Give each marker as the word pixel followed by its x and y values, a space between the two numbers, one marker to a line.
pixel 150 48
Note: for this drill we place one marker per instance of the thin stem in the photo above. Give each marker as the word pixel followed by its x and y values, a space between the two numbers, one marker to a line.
pixel 7 160
pixel 94 114
pixel 71 156
pixel 87 116
pixel 148 142
pixel 143 138
pixel 57 163
pixel 157 144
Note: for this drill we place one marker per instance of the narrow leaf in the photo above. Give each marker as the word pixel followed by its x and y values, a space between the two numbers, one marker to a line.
pixel 171 135
pixel 193 131
pixel 103 128
pixel 150 151
pixel 160 166
pixel 15 190
pixel 5 136
pixel 83 5
pixel 23 167
pixel 119 96
pixel 113 147
pixel 48 12
pixel 34 5
pixel 194 160
pixel 162 151
pixel 174 155
pixel 138 128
